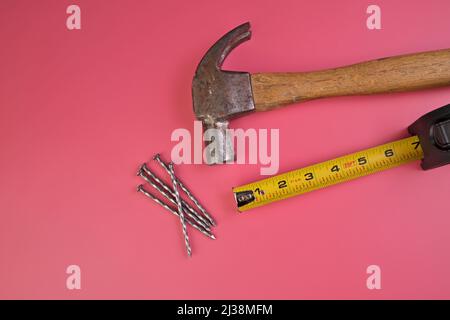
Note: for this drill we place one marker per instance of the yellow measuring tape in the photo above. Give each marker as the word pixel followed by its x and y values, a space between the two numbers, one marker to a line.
pixel 328 173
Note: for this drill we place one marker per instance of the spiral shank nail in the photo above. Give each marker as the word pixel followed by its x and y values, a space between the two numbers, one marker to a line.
pixel 195 201
pixel 157 157
pixel 202 223
pixel 180 209
pixel 198 217
pixel 141 189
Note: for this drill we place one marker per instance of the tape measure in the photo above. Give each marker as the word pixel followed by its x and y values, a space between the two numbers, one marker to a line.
pixel 328 173
pixel 430 141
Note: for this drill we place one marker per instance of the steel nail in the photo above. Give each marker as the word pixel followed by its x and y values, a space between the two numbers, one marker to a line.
pixel 141 189
pixel 157 157
pixel 144 168
pixel 180 209
pixel 142 174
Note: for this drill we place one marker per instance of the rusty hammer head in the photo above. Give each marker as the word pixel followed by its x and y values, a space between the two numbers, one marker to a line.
pixel 220 95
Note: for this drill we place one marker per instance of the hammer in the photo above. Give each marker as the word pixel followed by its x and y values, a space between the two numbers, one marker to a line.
pixel 220 95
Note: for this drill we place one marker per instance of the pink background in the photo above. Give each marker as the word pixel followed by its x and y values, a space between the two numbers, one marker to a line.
pixel 81 110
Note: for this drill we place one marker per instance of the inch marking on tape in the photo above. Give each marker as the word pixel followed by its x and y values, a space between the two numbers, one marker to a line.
pixel 327 173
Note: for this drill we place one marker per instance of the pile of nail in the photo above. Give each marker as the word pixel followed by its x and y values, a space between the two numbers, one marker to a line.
pixel 199 219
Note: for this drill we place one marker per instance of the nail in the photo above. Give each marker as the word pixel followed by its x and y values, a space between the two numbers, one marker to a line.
pixel 157 157
pixel 142 174
pixel 180 209
pixel 142 190
pixel 170 191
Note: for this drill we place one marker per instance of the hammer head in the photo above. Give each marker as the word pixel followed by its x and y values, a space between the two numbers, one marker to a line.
pixel 219 95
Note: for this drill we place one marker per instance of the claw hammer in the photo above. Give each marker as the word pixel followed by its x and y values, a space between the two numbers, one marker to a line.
pixel 220 95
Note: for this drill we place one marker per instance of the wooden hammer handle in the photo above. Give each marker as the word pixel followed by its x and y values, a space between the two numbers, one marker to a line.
pixel 395 74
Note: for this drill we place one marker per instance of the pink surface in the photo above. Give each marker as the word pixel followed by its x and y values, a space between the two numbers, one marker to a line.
pixel 80 110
